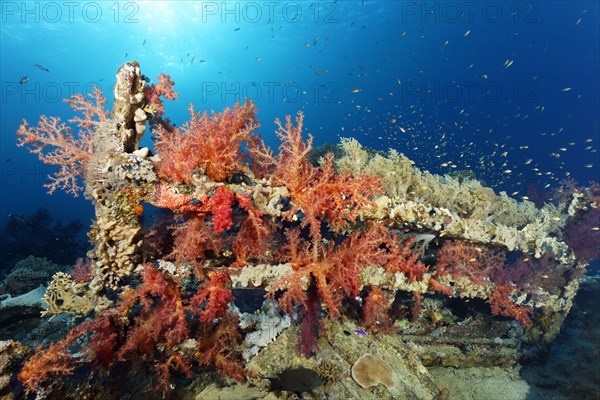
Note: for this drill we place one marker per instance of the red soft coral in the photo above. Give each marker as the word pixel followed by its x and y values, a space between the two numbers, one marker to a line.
pixel 221 208
pixel 255 235
pixel 193 238
pixel 52 362
pixel 165 197
pixel 55 143
pixel 163 88
pixel 375 316
pixel 336 269
pixel 214 144
pixel 319 192
pixel 503 305
pixel 215 346
pixel 458 259
pixel 211 301
pixel 161 319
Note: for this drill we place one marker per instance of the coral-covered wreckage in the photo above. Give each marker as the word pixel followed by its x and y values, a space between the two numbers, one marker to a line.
pixel 355 258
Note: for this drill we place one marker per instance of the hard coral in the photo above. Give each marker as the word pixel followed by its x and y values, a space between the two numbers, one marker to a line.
pixel 370 370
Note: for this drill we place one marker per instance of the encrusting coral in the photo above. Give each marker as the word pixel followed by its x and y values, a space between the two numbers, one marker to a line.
pixel 343 237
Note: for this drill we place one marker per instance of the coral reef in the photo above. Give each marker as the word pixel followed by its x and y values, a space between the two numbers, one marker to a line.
pixel 362 238
pixel 28 274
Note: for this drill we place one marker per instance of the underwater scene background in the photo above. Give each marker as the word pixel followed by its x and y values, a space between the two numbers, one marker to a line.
pixel 447 247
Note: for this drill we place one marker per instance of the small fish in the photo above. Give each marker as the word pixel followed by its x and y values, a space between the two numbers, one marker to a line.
pixel 144 42
pixel 360 332
pixel 236 29
pixel 567 89
pixel 24 80
pixel 355 90
pixel 201 61
pixel 193 58
pixel 507 171
pixel 258 59
pixel 508 63
pixel 38 66
pixel 467 33
pixel 595 228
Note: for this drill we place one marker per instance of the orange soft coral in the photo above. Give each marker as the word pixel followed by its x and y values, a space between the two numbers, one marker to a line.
pixel 52 362
pixel 55 143
pixel 375 316
pixel 458 259
pixel 318 191
pixel 213 144
pixel 502 305
pixel 336 269
pixel 211 301
pixel 255 235
pixel 215 346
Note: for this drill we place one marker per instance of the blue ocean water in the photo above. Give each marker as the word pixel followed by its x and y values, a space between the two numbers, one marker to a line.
pixel 506 89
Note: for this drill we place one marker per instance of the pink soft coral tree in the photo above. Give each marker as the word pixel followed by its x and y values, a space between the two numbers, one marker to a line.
pixel 55 143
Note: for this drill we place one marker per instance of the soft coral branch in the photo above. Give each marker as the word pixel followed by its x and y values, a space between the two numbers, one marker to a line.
pixel 211 301
pixel 502 304
pixel 319 192
pixel 213 144
pixel 55 143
